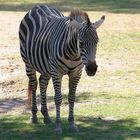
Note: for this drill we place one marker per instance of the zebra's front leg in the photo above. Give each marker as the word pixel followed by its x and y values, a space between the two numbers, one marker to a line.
pixel 43 83
pixel 73 81
pixel 58 100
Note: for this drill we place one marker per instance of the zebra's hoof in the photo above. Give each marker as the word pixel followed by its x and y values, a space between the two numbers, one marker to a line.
pixel 33 120
pixel 47 120
pixel 73 128
pixel 58 131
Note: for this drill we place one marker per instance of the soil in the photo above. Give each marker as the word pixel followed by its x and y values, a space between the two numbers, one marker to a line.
pixel 11 65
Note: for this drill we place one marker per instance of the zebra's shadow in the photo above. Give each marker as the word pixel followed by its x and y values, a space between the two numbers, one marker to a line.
pixel 14 104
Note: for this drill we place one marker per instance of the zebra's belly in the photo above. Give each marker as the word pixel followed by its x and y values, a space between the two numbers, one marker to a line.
pixel 42 66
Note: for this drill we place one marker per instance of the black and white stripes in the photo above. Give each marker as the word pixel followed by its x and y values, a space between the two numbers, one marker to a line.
pixel 55 45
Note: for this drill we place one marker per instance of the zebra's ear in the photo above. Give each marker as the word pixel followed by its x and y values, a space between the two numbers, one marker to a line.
pixel 99 22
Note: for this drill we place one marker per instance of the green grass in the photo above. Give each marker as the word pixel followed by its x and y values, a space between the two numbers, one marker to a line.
pixel 107 105
pixel 104 116
pixel 99 115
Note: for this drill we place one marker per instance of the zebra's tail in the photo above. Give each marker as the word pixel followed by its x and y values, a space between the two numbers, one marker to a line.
pixel 29 94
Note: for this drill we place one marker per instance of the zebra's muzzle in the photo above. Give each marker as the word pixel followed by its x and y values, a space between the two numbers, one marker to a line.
pixel 91 68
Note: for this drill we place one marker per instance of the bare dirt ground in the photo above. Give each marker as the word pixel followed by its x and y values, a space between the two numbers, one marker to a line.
pixel 11 65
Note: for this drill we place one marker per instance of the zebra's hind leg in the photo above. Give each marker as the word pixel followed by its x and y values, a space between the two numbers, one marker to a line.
pixel 73 81
pixel 32 86
pixel 43 83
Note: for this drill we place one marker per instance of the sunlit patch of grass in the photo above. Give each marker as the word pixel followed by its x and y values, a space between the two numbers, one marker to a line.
pixel 123 44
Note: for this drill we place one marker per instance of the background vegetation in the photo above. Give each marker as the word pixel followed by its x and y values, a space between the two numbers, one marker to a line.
pixel 125 6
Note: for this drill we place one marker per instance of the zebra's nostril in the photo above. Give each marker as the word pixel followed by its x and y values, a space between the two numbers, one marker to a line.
pixel 91 69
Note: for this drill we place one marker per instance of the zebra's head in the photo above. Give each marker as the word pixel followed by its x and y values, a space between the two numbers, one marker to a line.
pixel 88 40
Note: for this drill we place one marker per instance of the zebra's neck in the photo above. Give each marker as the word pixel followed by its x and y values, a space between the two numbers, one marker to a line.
pixel 71 50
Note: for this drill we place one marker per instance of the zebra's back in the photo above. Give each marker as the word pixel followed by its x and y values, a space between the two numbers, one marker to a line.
pixel 32 32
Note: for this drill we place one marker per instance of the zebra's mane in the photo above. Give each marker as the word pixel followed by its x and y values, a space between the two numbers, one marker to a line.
pixel 80 16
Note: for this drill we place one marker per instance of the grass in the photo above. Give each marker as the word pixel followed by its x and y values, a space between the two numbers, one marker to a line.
pixel 107 105
pixel 102 116
pixel 125 6
pixel 90 128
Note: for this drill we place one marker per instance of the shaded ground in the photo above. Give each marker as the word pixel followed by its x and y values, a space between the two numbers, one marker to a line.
pixel 90 127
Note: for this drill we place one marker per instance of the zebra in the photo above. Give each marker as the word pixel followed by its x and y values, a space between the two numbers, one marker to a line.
pixel 55 45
